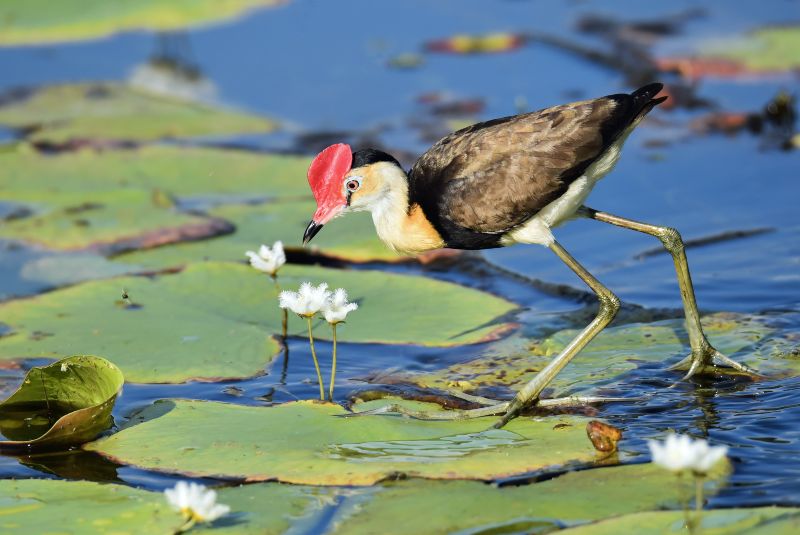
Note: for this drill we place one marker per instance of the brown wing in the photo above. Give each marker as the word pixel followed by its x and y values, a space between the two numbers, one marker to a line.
pixel 493 176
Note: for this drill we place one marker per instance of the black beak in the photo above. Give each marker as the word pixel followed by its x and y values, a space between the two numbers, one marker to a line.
pixel 311 231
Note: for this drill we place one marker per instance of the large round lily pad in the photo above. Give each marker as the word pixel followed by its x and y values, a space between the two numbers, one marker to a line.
pixel 53 506
pixel 471 507
pixel 352 238
pixel 217 319
pixel 514 361
pixel 41 21
pixel 774 48
pixel 306 442
pixel 110 111
pixel 61 405
pixel 761 520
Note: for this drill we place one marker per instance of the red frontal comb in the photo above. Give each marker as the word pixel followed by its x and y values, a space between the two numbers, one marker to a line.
pixel 326 172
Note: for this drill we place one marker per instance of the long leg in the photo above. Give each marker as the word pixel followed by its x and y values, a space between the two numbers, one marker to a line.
pixel 703 353
pixel 609 305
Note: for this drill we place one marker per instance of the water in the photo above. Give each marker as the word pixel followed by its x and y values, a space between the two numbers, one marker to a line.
pixel 309 65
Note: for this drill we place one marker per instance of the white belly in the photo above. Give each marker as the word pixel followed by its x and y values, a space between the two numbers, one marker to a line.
pixel 537 229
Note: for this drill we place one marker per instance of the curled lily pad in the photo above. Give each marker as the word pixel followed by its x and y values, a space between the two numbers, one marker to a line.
pixel 617 350
pixel 40 21
pixel 220 318
pixel 109 111
pixel 61 405
pixel 740 521
pixel 310 443
pixel 471 507
pixel 53 506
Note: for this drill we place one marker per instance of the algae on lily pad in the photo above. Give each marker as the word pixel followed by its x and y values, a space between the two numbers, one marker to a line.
pixel 471 507
pixel 29 22
pixel 738 521
pixel 61 405
pixel 352 238
pixel 217 320
pixel 512 362
pixel 107 111
pixel 310 443
pixel 53 506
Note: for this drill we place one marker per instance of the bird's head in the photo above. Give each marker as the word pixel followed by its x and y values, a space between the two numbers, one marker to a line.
pixel 342 181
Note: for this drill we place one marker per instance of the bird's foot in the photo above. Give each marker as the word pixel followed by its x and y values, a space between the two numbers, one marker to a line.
pixel 710 361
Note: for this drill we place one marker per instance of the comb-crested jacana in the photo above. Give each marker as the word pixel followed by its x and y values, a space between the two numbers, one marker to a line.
pixel 506 181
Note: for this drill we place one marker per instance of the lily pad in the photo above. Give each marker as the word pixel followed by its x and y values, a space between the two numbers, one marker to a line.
pixel 761 520
pixel 352 238
pixel 471 507
pixel 183 172
pixel 53 506
pixel 774 48
pixel 119 200
pixel 304 442
pixel 40 21
pixel 217 319
pixel 105 221
pixel 61 405
pixel 110 111
pixel 514 361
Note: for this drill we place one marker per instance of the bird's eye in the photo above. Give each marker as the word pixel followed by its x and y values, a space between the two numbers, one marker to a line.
pixel 352 185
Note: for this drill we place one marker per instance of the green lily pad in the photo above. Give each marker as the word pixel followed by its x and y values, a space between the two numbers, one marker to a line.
pixel 110 111
pixel 39 21
pixel 760 520
pixel 304 442
pixel 105 221
pixel 183 172
pixel 61 405
pixel 775 48
pixel 352 238
pixel 471 507
pixel 53 506
pixel 216 320
pixel 617 350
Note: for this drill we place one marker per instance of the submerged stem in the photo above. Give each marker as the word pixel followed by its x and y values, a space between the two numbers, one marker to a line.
pixel 333 366
pixel 316 363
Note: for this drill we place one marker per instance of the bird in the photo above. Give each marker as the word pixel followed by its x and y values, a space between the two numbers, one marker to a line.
pixel 507 181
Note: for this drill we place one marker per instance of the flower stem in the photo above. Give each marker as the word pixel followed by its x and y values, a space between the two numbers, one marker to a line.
pixel 698 503
pixel 316 363
pixel 285 319
pixel 333 366
pixel 190 522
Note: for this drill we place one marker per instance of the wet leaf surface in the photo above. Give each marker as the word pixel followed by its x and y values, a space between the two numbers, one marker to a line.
pixel 48 506
pixel 40 21
pixel 61 114
pixel 318 447
pixel 60 405
pixel 470 507
pixel 218 320
pixel 609 357
pixel 762 520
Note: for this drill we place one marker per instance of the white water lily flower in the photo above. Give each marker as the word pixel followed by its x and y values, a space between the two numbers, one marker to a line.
pixel 307 301
pixel 679 452
pixel 336 308
pixel 196 502
pixel 269 260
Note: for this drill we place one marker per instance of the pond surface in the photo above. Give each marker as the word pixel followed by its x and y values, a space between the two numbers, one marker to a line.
pixel 322 67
